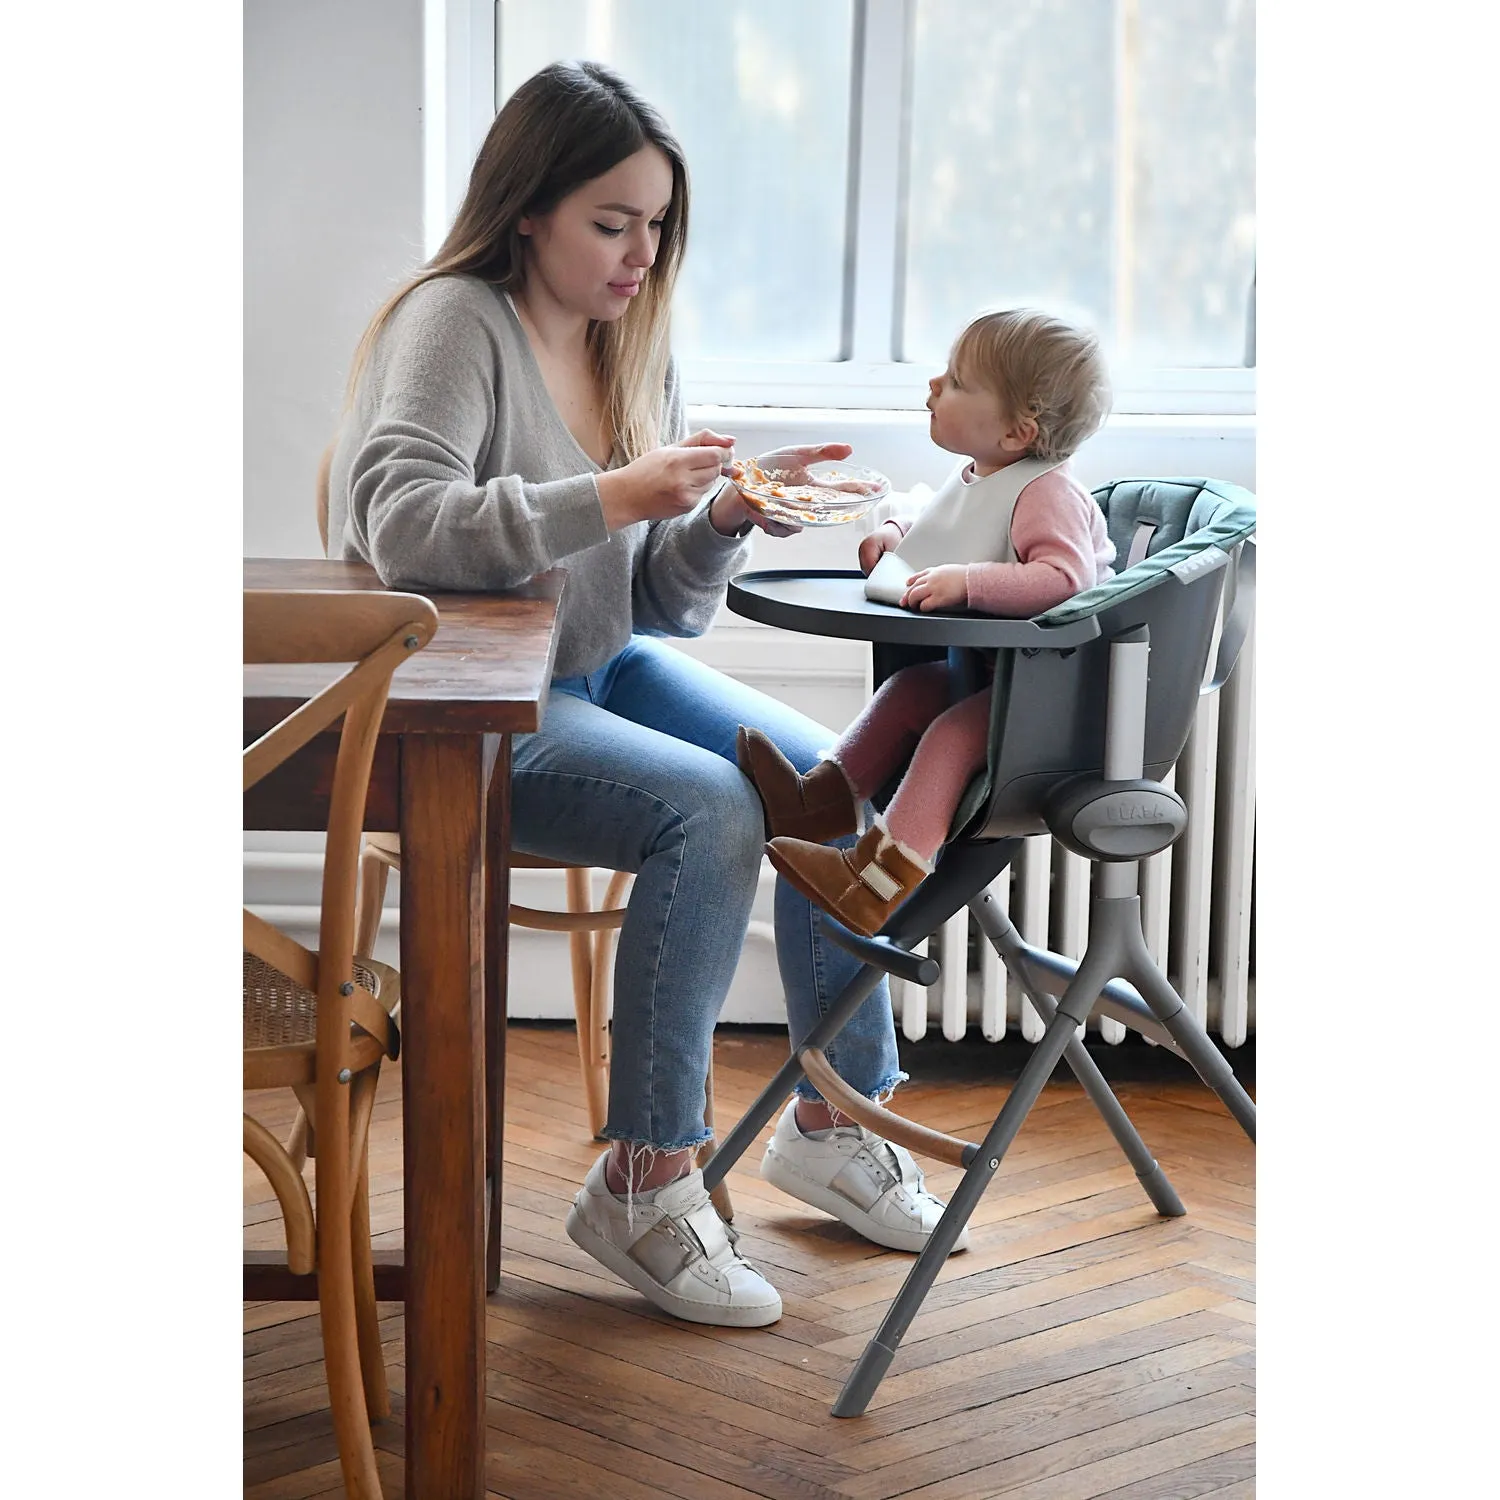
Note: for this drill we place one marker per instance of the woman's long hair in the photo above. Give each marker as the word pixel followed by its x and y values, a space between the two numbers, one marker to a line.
pixel 563 127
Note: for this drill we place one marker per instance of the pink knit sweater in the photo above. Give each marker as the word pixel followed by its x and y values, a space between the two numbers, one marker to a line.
pixel 1061 546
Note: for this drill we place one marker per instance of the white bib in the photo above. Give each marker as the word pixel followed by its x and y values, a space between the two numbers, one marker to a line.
pixel 962 523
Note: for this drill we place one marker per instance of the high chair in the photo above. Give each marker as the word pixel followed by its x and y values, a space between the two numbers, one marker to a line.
pixel 1092 705
pixel 320 1022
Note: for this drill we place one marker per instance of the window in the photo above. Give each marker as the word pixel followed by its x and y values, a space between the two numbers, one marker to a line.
pixel 758 93
pixel 869 174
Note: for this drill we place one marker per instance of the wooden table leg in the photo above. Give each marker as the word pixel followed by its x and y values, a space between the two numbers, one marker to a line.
pixel 442 827
pixel 496 959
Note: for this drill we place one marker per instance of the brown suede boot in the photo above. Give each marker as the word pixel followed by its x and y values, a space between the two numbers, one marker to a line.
pixel 861 886
pixel 816 807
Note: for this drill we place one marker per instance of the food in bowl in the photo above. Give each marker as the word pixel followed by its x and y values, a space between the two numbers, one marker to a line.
pixel 829 493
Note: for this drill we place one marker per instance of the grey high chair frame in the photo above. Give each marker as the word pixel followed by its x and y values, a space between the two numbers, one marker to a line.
pixel 1092 705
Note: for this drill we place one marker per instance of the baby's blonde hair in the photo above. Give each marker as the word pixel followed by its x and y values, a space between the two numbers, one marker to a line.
pixel 1042 367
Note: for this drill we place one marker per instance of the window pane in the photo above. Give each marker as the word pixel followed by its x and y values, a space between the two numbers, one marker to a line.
pixel 1092 156
pixel 757 91
pixel 1193 182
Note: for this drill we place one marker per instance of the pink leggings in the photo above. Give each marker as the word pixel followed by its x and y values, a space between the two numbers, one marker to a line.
pixel 911 708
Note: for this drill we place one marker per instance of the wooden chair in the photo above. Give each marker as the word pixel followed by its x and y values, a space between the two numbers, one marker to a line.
pixel 590 938
pixel 320 1022
pixel 591 935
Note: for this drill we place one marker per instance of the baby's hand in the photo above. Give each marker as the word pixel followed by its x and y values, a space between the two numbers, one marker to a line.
pixel 872 548
pixel 943 587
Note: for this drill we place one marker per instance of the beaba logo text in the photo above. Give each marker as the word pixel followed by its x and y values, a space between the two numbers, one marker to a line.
pixel 1133 812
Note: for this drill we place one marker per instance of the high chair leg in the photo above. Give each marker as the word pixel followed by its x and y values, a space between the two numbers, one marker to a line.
pixel 1158 1188
pixel 1192 1040
pixel 1004 938
pixel 1115 933
pixel 719 1192
pixel 773 1096
pixel 879 1352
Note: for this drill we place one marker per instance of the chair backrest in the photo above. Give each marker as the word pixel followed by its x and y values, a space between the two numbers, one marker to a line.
pixel 1048 712
pixel 374 632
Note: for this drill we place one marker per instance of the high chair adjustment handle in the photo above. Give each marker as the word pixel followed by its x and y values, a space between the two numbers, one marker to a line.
pixel 1115 820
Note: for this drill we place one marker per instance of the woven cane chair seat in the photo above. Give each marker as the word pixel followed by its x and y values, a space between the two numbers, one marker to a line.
pixel 279 1012
pixel 281 1021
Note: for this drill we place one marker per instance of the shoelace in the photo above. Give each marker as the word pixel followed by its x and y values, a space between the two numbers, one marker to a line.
pixel 882 1152
pixel 732 1235
pixel 885 1154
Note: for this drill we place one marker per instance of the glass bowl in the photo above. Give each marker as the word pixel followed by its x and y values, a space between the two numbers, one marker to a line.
pixel 831 493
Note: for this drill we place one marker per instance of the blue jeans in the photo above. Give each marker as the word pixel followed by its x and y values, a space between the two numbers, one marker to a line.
pixel 633 769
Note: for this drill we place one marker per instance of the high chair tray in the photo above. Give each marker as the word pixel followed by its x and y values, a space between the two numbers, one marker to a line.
pixel 828 601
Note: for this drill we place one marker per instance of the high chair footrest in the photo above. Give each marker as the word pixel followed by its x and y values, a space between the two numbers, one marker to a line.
pixel 882 953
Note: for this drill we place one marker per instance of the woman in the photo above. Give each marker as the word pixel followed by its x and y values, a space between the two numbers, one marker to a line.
pixel 513 408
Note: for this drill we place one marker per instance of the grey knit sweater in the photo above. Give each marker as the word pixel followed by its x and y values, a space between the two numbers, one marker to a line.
pixel 454 470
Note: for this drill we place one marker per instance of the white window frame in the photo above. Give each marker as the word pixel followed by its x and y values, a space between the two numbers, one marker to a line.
pixel 462 80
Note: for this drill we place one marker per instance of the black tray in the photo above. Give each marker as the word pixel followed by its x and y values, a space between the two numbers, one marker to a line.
pixel 827 601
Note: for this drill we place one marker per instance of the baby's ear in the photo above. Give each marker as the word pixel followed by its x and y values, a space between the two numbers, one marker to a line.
pixel 1019 434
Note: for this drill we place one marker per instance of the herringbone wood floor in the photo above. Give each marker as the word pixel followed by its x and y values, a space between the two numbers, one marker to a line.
pixel 1082 1347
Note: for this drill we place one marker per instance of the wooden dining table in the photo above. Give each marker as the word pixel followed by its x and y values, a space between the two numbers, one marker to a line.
pixel 441 780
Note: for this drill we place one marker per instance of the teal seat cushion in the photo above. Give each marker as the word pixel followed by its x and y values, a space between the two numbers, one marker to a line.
pixel 1190 516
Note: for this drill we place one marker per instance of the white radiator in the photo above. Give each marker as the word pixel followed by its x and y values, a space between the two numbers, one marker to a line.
pixel 1197 899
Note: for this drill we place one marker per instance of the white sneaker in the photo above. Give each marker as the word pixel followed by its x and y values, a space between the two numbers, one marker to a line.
pixel 873 1185
pixel 671 1245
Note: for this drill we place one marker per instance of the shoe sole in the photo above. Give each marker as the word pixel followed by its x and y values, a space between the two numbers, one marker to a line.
pixel 804 888
pixel 591 1242
pixel 779 1172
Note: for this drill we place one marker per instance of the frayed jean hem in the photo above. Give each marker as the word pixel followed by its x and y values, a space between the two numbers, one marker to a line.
pixel 805 1090
pixel 633 1140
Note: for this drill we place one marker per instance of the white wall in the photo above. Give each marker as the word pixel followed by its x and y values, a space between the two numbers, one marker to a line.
pixel 333 220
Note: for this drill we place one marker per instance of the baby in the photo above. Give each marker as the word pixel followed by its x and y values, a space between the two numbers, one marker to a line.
pixel 1010 533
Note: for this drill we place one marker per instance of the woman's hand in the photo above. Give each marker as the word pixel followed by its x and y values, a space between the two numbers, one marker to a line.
pixel 885 538
pixel 665 482
pixel 730 510
pixel 943 587
pixel 706 438
pixel 793 461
